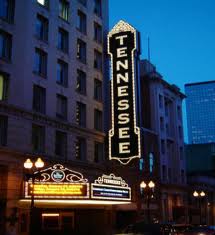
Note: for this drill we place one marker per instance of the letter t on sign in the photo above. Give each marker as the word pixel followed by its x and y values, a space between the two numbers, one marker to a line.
pixel 121 39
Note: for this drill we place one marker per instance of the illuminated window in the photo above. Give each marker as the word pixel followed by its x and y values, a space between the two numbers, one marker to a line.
pixel 42 27
pixel 81 114
pixel 61 107
pixel 82 22
pixel 97 60
pixel 39 99
pixel 81 51
pixel 40 63
pixel 141 164
pixel 98 7
pixel 98 154
pixel 81 82
pixel 98 122
pixel 5 45
pixel 61 144
pixel 3 130
pixel 62 73
pixel 45 3
pixel 151 162
pixel 7 10
pixel 38 138
pixel 63 40
pixel 64 9
pixel 4 86
pixel 97 32
pixel 98 90
pixel 80 148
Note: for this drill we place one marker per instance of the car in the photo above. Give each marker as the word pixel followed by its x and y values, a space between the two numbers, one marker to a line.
pixel 200 230
pixel 141 228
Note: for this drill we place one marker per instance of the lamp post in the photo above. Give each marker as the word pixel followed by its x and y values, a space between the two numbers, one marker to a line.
pixel 31 167
pixel 199 196
pixel 149 189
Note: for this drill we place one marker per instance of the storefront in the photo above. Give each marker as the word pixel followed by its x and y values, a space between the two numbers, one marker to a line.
pixel 65 202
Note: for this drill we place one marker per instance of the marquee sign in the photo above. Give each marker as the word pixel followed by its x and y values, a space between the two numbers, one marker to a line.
pixel 124 136
pixel 110 187
pixel 57 182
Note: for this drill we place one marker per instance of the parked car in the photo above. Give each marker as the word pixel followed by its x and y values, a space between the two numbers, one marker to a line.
pixel 201 230
pixel 141 228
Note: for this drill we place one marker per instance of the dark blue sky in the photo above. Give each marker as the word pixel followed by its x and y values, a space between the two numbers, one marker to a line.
pixel 181 32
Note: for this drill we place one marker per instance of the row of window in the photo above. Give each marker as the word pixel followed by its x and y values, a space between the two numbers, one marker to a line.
pixel 64 7
pixel 81 86
pixel 7 8
pixel 42 31
pixel 39 105
pixel 38 142
pixel 41 57
pixel 167 175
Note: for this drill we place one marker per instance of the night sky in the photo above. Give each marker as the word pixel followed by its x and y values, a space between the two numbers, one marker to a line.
pixel 182 36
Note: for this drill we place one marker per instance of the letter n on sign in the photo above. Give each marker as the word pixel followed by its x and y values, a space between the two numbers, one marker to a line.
pixel 124 136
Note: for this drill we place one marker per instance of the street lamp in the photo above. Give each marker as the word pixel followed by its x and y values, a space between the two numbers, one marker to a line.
pixel 32 167
pixel 199 196
pixel 149 189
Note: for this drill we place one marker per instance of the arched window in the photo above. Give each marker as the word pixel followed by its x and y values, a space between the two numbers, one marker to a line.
pixel 151 162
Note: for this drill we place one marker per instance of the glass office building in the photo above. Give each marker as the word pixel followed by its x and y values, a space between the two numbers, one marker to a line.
pixel 200 105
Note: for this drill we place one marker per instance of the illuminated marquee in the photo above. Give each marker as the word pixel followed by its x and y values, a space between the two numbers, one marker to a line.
pixel 110 187
pixel 124 137
pixel 58 182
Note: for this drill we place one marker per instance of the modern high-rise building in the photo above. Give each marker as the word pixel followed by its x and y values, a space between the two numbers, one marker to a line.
pixel 200 104
pixel 53 74
pixel 163 142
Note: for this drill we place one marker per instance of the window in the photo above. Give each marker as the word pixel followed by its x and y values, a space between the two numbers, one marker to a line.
pixel 81 114
pixel 182 177
pixel 45 3
pixel 97 32
pixel 3 130
pixel 181 152
pixel 98 154
pixel 4 86
pixel 64 9
pixel 7 10
pixel 82 22
pixel 160 101
pixel 40 65
pixel 38 138
pixel 170 174
pixel 42 28
pixel 5 45
pixel 162 146
pixel 97 60
pixel 39 99
pixel 63 40
pixel 151 162
pixel 62 73
pixel 164 173
pixel 61 107
pixel 81 82
pixel 97 90
pixel 180 131
pixel 61 144
pixel 179 114
pixel 98 7
pixel 141 164
pixel 83 2
pixel 98 125
pixel 161 123
pixel 81 51
pixel 80 149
